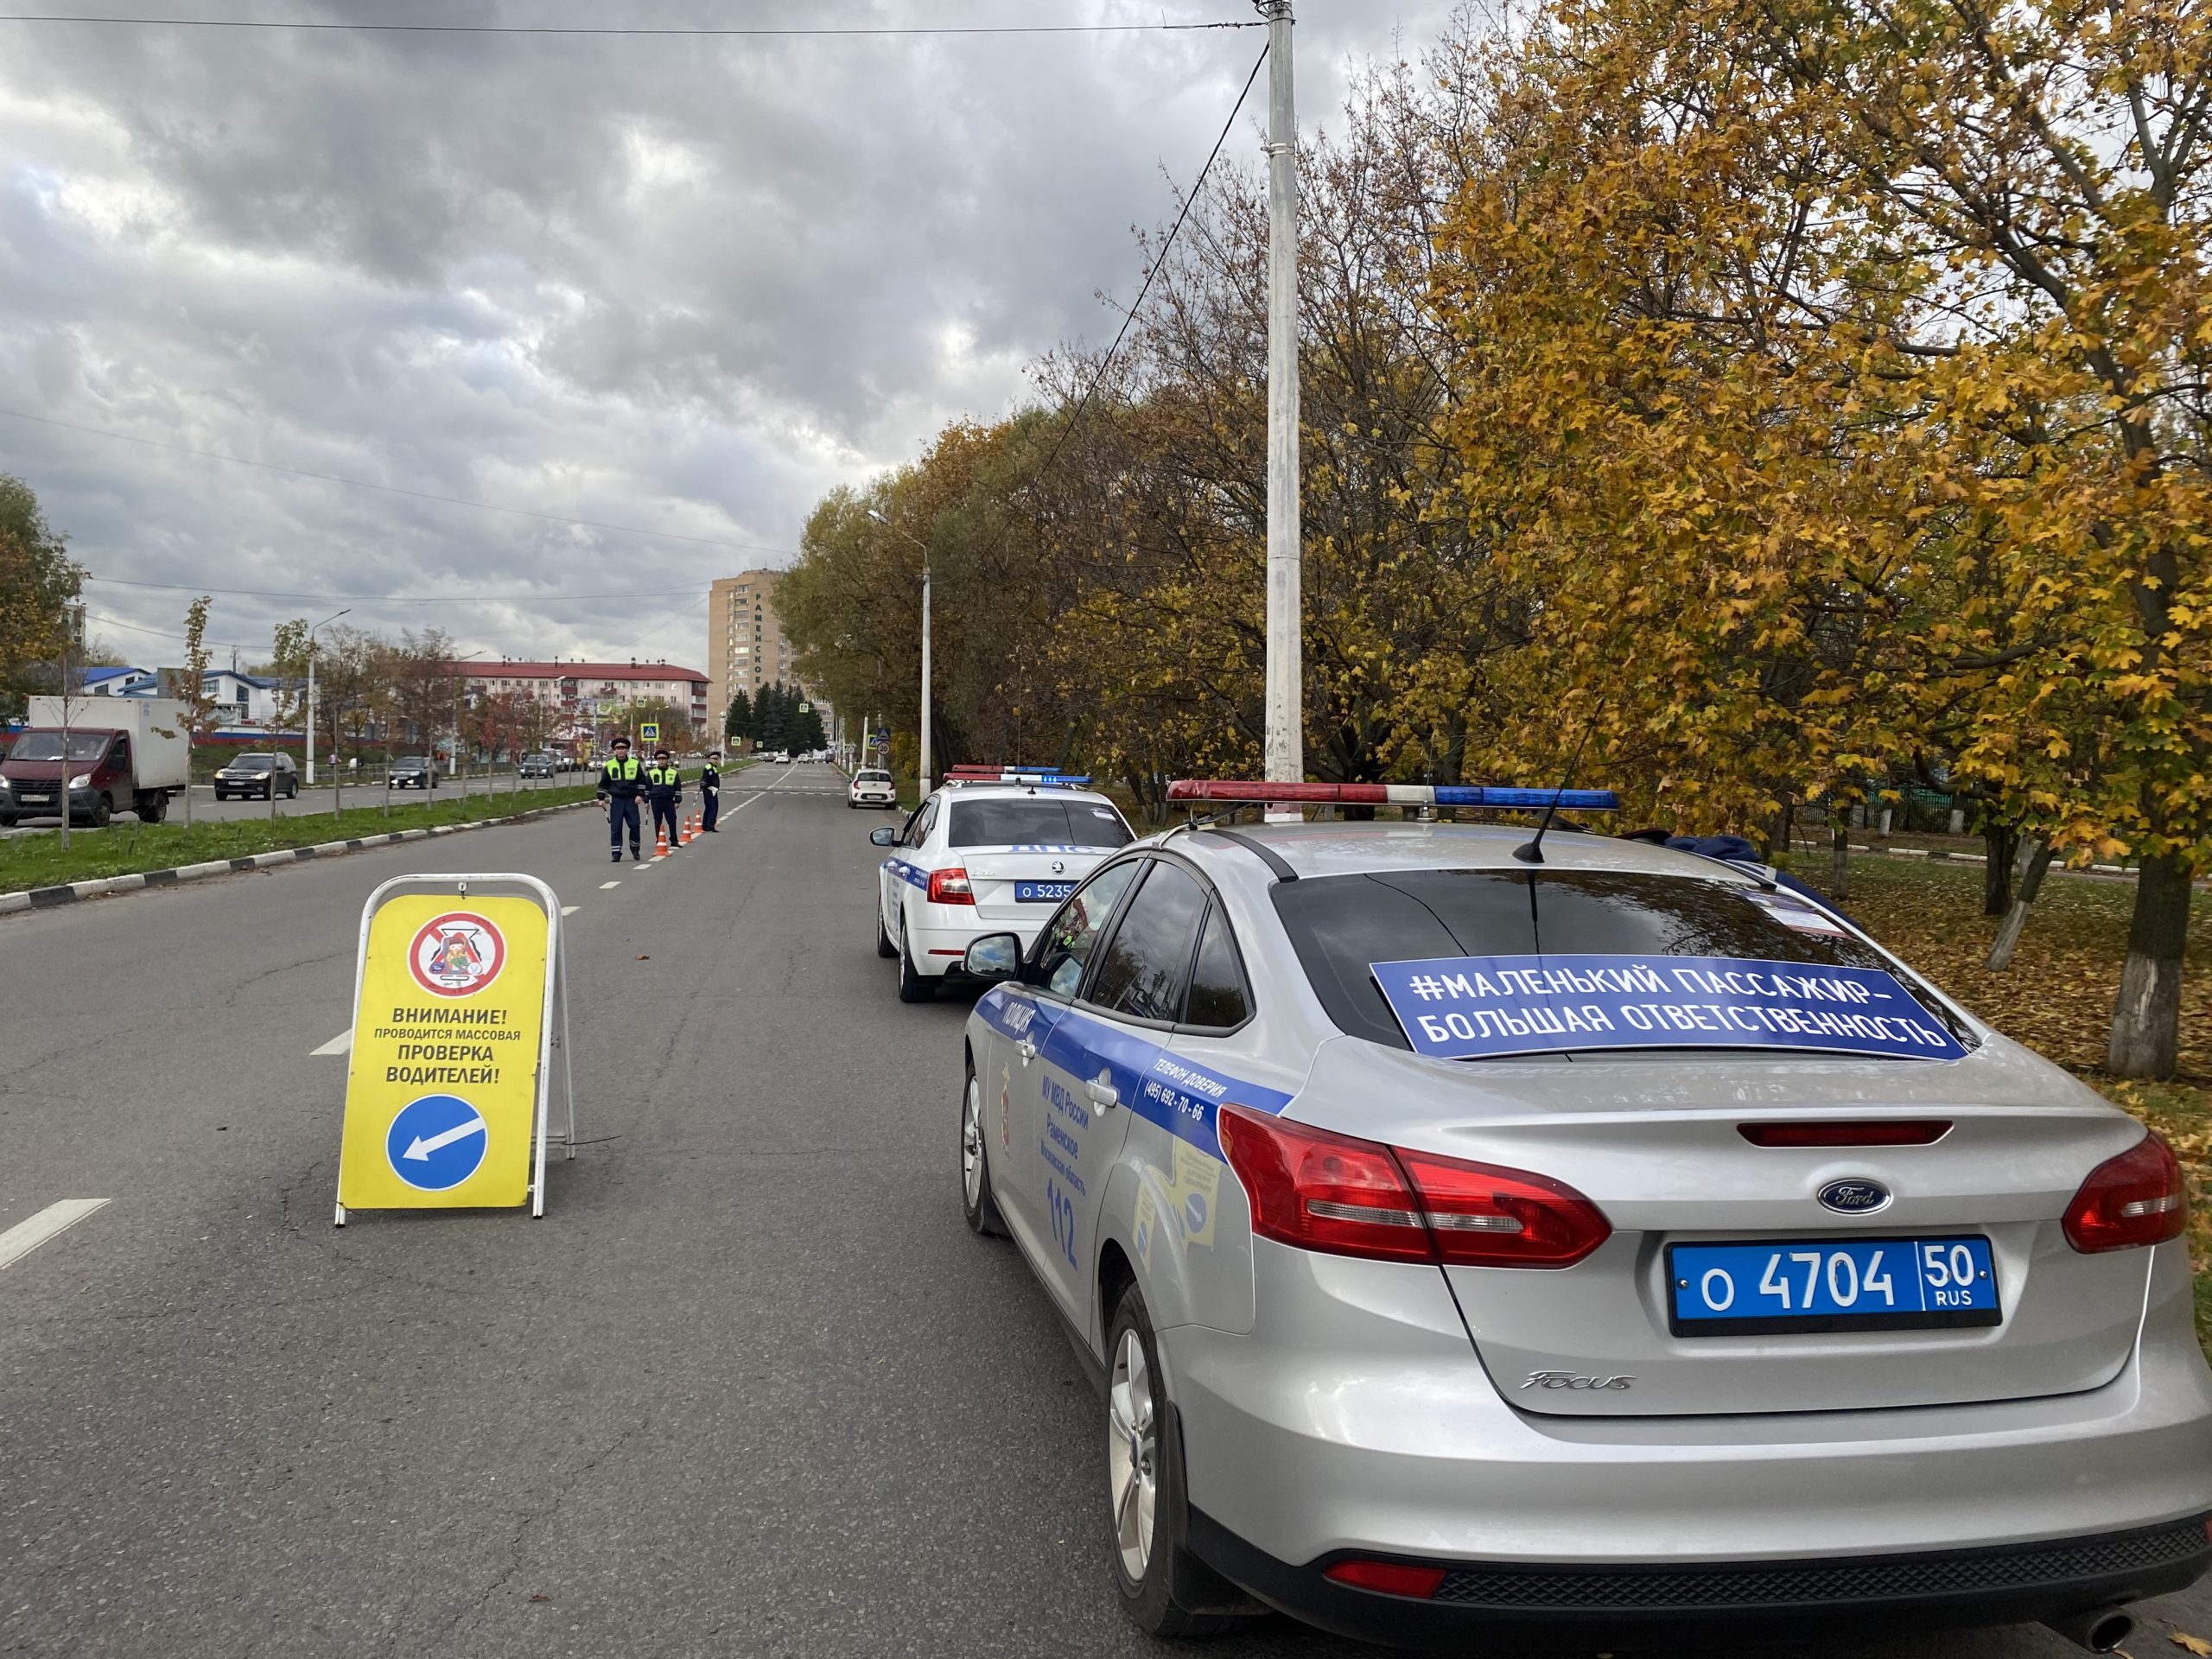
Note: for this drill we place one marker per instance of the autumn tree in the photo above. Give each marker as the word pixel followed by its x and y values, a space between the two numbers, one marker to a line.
pixel 193 694
pixel 37 582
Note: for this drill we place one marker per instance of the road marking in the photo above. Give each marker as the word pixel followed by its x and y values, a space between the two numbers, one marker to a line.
pixel 570 910
pixel 604 886
pixel 339 1045
pixel 25 1237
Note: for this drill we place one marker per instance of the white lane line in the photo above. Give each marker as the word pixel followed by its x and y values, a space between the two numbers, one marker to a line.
pixel 342 1043
pixel 604 886
pixel 570 910
pixel 25 1237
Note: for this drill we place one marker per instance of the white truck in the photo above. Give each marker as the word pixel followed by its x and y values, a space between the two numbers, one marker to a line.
pixel 110 754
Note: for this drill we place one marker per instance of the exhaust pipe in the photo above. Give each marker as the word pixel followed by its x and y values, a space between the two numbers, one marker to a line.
pixel 2101 1630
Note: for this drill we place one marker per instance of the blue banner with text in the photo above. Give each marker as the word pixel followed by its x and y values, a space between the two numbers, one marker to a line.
pixel 1474 1008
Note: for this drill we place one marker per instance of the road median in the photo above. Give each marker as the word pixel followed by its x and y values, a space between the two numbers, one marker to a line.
pixel 37 876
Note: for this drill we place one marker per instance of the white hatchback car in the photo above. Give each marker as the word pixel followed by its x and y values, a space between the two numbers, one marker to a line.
pixel 982 857
pixel 871 787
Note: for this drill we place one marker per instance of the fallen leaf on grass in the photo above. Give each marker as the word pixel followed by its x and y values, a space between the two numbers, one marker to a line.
pixel 2196 1644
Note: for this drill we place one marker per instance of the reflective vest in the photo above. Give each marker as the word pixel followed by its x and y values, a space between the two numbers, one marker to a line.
pixel 622 770
pixel 664 776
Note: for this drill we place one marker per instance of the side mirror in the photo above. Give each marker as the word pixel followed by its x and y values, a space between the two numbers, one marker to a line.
pixel 886 836
pixel 994 958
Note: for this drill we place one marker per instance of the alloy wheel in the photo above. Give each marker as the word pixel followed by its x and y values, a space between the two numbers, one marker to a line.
pixel 1132 1456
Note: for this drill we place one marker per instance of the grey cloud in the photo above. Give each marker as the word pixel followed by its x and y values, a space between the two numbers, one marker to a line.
pixel 686 286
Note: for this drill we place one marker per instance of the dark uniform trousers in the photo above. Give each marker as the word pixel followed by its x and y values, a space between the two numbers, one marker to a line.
pixel 711 791
pixel 620 786
pixel 666 794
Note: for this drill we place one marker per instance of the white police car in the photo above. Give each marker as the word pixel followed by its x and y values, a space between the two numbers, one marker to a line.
pixel 1494 1246
pixel 994 850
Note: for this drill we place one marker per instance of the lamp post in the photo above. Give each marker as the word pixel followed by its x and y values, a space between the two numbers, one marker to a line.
pixel 324 623
pixel 459 686
pixel 925 546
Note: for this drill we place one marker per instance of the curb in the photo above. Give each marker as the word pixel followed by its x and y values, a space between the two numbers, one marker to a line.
pixel 107 885
pixel 1942 857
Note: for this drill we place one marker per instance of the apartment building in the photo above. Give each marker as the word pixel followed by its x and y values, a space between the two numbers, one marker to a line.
pixel 587 694
pixel 745 647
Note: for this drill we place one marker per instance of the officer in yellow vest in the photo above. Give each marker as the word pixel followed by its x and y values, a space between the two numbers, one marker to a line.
pixel 664 785
pixel 620 782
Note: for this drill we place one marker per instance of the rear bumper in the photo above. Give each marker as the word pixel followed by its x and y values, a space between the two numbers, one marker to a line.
pixel 936 949
pixel 1510 1605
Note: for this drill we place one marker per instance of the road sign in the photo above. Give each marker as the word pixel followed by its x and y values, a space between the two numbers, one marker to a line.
pixel 448 1090
pixel 649 731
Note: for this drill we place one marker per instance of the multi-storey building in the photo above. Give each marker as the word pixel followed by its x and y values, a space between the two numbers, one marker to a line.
pixel 589 695
pixel 745 647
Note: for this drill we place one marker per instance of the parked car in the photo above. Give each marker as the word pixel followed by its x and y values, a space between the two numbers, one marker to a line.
pixel 258 777
pixel 871 787
pixel 413 772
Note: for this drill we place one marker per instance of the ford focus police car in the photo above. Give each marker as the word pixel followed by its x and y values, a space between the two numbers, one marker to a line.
pixel 995 849
pixel 1486 1244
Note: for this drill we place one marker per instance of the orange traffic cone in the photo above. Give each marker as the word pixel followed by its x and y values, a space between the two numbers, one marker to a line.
pixel 660 841
pixel 683 830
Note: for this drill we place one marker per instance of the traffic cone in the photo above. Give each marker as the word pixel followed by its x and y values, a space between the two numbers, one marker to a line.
pixel 683 830
pixel 660 841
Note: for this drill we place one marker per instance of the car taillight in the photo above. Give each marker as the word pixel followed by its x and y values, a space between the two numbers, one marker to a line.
pixel 951 887
pixel 2135 1198
pixel 1344 1195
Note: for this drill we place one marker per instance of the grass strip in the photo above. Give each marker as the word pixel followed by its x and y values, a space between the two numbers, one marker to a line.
pixel 133 848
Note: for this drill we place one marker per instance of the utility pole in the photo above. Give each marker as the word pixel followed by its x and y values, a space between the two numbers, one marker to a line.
pixel 925 546
pixel 1286 754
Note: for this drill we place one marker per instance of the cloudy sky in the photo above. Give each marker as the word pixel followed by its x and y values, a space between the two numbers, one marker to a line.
pixel 683 285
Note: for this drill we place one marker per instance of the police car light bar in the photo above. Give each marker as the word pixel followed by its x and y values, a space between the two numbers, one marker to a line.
pixel 1489 795
pixel 981 775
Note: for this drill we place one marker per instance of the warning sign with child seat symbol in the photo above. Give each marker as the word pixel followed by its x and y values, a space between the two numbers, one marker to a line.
pixel 441 1089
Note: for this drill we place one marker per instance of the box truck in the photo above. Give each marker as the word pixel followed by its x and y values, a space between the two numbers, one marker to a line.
pixel 109 754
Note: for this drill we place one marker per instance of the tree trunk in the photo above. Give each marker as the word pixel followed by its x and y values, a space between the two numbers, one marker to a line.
pixel 1839 857
pixel 2035 860
pixel 2146 1017
pixel 2001 842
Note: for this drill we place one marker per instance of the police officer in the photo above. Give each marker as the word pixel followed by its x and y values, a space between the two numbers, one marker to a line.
pixel 620 782
pixel 664 785
pixel 711 791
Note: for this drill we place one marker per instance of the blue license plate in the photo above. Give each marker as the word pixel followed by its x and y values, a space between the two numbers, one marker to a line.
pixel 1857 1284
pixel 1041 893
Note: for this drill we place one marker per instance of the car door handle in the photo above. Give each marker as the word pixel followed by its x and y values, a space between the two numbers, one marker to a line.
pixel 1027 1049
pixel 1102 1093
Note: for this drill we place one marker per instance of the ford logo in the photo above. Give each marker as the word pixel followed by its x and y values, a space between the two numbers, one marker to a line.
pixel 1854 1198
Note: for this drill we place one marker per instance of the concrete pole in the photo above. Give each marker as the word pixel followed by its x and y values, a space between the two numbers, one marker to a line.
pixel 925 681
pixel 1285 742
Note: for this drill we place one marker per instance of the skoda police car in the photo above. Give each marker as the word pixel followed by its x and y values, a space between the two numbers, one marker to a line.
pixel 996 849
pixel 1481 1243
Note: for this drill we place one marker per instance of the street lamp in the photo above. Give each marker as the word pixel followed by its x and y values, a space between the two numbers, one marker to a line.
pixel 925 546
pixel 324 623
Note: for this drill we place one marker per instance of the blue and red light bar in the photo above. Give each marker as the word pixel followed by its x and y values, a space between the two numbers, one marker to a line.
pixel 984 774
pixel 1489 795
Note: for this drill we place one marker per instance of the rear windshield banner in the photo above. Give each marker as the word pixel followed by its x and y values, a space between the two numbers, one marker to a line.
pixel 1479 1008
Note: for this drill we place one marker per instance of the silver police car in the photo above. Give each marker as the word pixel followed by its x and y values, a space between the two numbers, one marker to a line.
pixel 1612 1247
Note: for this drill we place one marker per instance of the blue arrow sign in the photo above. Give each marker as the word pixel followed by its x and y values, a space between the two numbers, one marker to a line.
pixel 435 1142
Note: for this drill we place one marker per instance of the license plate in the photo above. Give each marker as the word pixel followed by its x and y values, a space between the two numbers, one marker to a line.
pixel 1041 893
pixel 1813 1285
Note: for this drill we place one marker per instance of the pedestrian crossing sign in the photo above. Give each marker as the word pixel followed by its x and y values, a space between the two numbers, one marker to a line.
pixel 649 731
pixel 454 1029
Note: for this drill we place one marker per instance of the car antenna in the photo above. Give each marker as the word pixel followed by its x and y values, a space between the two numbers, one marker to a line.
pixel 1531 851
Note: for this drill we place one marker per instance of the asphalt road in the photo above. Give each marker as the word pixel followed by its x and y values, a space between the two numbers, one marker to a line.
pixel 751 1387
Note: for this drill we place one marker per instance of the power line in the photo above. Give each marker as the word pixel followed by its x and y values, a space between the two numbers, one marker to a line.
pixel 392 489
pixel 679 32
pixel 525 599
pixel 1137 304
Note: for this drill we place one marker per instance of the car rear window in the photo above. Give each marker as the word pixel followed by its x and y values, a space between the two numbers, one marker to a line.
pixel 1035 821
pixel 1340 925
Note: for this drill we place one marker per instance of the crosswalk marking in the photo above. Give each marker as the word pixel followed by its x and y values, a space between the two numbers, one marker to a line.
pixel 339 1045
pixel 25 1237
pixel 604 886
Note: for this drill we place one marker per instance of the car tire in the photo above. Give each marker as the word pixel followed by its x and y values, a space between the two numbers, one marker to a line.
pixel 884 948
pixel 975 1200
pixel 1165 1589
pixel 912 987
pixel 7 820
